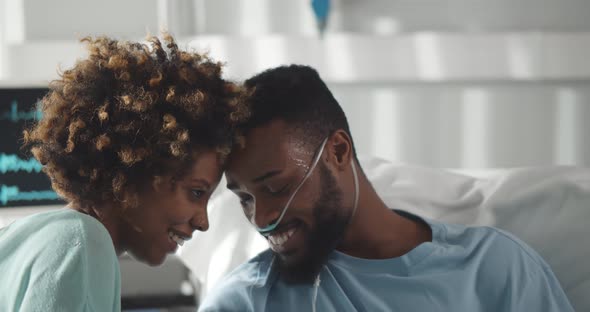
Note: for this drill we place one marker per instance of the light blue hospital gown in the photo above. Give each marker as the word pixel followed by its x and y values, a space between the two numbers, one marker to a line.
pixel 462 269
pixel 60 260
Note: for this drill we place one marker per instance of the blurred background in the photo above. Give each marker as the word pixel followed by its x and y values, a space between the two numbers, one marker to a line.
pixel 464 84
pixel 453 83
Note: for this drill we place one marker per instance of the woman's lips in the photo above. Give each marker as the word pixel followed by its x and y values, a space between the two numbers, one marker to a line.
pixel 176 239
pixel 171 246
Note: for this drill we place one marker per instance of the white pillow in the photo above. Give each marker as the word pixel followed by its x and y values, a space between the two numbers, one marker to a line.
pixel 548 208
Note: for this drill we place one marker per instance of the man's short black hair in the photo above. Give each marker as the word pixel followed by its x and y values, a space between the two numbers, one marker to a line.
pixel 297 95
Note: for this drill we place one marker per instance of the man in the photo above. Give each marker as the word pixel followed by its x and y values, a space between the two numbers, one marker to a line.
pixel 335 245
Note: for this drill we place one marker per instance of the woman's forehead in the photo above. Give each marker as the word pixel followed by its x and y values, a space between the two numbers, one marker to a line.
pixel 206 166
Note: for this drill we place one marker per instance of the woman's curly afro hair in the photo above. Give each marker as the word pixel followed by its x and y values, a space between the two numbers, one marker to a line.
pixel 129 114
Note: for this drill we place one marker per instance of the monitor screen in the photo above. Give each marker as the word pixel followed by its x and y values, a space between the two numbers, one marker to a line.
pixel 22 183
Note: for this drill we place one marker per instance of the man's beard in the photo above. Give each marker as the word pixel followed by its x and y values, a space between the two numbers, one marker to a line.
pixel 331 221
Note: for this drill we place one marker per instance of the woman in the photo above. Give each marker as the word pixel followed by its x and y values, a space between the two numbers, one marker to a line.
pixel 133 138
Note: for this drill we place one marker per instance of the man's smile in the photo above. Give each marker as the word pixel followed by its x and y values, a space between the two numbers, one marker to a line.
pixel 286 238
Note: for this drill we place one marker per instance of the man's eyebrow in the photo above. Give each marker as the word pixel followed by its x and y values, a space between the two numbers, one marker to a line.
pixel 265 176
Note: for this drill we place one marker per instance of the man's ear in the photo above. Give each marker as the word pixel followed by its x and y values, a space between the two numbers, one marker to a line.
pixel 340 147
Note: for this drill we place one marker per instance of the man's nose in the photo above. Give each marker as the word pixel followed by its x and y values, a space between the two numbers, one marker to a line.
pixel 267 213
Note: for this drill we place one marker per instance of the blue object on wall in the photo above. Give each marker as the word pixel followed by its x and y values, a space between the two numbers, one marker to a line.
pixel 321 9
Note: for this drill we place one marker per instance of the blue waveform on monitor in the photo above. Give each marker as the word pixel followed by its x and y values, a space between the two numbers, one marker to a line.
pixel 15 115
pixel 12 163
pixel 13 193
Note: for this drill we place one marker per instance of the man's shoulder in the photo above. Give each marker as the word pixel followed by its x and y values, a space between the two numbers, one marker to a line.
pixel 493 248
pixel 501 264
pixel 236 290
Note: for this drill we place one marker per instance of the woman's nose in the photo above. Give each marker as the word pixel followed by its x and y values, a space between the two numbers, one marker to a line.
pixel 200 222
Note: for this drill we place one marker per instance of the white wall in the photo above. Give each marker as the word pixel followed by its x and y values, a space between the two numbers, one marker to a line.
pixel 454 83
pixel 471 125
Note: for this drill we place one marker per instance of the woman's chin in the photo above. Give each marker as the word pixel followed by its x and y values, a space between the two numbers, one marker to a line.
pixel 156 260
pixel 153 259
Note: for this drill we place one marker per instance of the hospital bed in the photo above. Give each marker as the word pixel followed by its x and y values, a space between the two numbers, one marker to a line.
pixel 547 207
pixel 170 287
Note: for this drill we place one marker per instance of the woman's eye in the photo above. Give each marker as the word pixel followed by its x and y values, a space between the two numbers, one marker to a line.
pixel 198 193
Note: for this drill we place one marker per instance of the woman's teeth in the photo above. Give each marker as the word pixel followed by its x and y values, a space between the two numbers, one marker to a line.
pixel 281 238
pixel 176 238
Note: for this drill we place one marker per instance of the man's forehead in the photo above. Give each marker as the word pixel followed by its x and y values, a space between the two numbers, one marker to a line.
pixel 264 146
pixel 265 140
pixel 268 147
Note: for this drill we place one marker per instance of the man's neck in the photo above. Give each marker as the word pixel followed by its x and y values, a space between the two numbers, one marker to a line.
pixel 377 232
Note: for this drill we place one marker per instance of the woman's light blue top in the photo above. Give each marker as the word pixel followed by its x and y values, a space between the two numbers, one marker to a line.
pixel 59 260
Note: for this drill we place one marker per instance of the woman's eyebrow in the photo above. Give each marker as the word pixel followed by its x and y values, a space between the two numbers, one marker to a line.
pixel 202 181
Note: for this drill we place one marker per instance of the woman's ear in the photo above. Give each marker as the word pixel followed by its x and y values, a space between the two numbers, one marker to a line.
pixel 340 146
